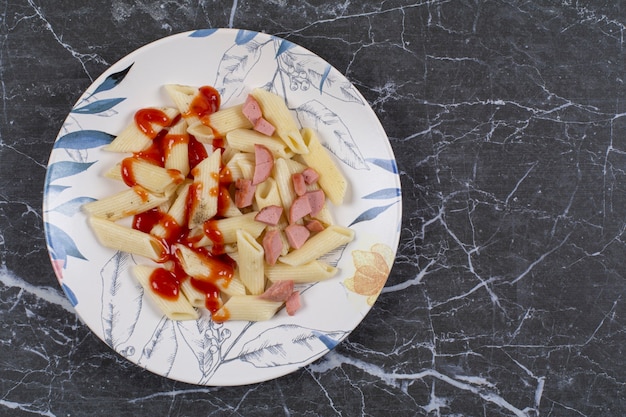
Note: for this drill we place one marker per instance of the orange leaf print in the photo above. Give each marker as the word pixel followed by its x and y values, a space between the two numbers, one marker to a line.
pixel 372 270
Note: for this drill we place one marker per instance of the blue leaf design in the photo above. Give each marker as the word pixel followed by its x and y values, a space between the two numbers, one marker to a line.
pixel 371 213
pixel 112 80
pixel 327 340
pixel 70 208
pixel 84 139
pixel 162 347
pixel 202 33
pixel 384 194
pixel 236 63
pixel 61 244
pixel 386 164
pixel 54 190
pixel 66 169
pixel 121 300
pixel 70 295
pixel 99 106
pixel 285 45
pixel 205 338
pixel 341 143
pixel 287 344
pixel 244 36
pixel 304 69
pixel 324 76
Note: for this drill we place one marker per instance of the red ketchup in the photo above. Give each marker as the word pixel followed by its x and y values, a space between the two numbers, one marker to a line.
pixel 166 283
pixel 144 119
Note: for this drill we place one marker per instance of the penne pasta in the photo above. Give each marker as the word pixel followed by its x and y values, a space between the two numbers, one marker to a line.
pixel 278 114
pixel 208 268
pixel 181 95
pixel 126 203
pixel 267 194
pixel 201 132
pixel 177 308
pixel 234 165
pixel 155 179
pixel 146 125
pixel 248 308
pixel 328 239
pixel 246 167
pixel 250 262
pixel 212 254
pixel 205 190
pixel 313 271
pixel 125 239
pixel 234 287
pixel 223 121
pixel 195 297
pixel 331 179
pixel 245 139
pixel 226 229
pixel 177 148
pixel 282 176
pixel 176 215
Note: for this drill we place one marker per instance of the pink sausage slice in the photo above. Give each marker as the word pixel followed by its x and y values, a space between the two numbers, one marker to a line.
pixel 264 127
pixel 263 164
pixel 269 215
pixel 293 303
pixel 299 184
pixel 297 235
pixel 310 175
pixel 314 226
pixel 300 207
pixel 244 192
pixel 272 245
pixel 316 201
pixel 278 291
pixel 251 109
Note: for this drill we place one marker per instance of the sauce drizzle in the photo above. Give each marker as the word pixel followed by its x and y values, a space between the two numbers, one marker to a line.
pixel 165 284
pixel 165 281
pixel 144 119
pixel 205 103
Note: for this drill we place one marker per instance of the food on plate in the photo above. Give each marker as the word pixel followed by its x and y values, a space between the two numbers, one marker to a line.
pixel 229 204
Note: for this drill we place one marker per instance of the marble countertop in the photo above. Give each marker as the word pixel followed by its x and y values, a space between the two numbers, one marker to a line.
pixel 508 123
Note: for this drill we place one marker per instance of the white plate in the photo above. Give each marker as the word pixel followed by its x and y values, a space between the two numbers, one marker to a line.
pixel 97 280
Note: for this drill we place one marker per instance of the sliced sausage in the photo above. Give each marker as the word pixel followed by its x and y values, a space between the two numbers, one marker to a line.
pixel 314 226
pixel 317 199
pixel 300 207
pixel 263 164
pixel 244 192
pixel 269 215
pixel 272 246
pixel 310 175
pixel 299 184
pixel 293 303
pixel 264 127
pixel 251 109
pixel 296 235
pixel 278 291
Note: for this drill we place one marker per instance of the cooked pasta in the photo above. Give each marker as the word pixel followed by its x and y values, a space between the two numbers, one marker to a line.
pixel 215 247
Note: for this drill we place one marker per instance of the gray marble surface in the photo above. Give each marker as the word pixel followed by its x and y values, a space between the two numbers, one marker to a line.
pixel 508 122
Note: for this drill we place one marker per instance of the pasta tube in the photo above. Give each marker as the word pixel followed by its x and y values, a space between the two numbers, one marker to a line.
pixel 145 126
pixel 123 204
pixel 331 179
pixel 277 113
pixel 328 239
pixel 125 239
pixel 250 262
